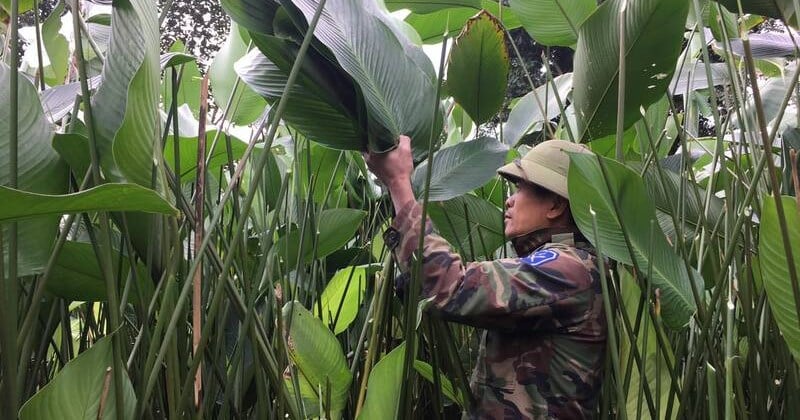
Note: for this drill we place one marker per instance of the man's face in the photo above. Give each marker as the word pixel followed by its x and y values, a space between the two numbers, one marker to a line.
pixel 526 212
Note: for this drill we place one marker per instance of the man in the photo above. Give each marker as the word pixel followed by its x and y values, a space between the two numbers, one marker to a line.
pixel 542 353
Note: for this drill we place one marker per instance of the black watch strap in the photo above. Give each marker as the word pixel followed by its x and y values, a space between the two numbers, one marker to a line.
pixel 391 237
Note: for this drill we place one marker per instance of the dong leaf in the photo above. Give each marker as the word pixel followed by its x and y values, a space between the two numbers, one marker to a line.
pixel 653 36
pixel 189 86
pixel 775 267
pixel 216 157
pixel 76 391
pixel 426 371
pixel 39 170
pixel 477 70
pixel 553 22
pixel 778 9
pixel 56 46
pixel 624 209
pixel 344 294
pixel 251 15
pixel 76 275
pixel 395 76
pixel 431 26
pixel 472 224
pixel 461 168
pixel 318 355
pixel 320 121
pixel 126 103
pixel 22 205
pixel 336 227
pixel 246 105
pixel 427 6
pixel 383 387
pixel 535 108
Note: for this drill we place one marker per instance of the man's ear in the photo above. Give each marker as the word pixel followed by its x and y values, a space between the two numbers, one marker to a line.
pixel 558 207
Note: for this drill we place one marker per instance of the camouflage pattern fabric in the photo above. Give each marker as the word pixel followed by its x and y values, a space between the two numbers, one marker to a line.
pixel 542 353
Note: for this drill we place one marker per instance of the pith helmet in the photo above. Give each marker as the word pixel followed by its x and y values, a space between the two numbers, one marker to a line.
pixel 545 165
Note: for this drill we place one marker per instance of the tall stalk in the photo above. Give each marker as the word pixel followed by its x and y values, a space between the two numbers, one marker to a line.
pixel 11 386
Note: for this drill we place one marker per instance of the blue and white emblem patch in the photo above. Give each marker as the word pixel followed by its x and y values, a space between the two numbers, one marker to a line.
pixel 540 257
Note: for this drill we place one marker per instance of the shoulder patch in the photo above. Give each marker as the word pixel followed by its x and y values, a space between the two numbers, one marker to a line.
pixel 540 257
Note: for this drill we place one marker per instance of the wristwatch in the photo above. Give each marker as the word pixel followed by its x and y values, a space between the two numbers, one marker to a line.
pixel 391 237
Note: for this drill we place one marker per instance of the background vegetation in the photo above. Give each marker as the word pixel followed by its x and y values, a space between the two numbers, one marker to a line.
pixel 193 233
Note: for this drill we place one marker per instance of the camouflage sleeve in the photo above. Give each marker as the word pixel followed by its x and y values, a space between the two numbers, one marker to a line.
pixel 550 289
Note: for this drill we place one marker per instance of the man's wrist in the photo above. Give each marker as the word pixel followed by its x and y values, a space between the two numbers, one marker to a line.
pixel 396 184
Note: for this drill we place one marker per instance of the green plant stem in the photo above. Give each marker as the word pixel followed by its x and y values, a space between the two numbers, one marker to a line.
pixel 376 321
pixel 620 156
pixel 102 243
pixel 612 333
pixel 258 173
pixel 11 388
pixel 39 57
pixel 413 290
pixel 776 192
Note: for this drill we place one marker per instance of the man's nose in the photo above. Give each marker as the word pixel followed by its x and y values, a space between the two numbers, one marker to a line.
pixel 509 201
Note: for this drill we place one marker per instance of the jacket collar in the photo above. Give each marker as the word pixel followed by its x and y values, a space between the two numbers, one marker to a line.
pixel 568 235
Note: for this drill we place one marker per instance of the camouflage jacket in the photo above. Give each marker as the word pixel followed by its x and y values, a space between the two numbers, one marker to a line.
pixel 542 353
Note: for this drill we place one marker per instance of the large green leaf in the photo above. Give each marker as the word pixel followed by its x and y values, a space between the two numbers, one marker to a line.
pixel 319 120
pixel 473 225
pixel 74 149
pixel 216 158
pixel 426 371
pixel 621 202
pixel 246 105
pixel 667 197
pixel 77 275
pixel 56 46
pixel 530 113
pixel 317 354
pixel 395 76
pixel 126 104
pixel 778 9
pixel 75 392
pixel 653 37
pixel 553 22
pixel 336 227
pixel 107 197
pixel 321 169
pixel 431 26
pixel 477 70
pixel 657 378
pixel 344 294
pixel 252 15
pixel 39 170
pixel 24 6
pixel 383 387
pixel 189 86
pixel 775 267
pixel 427 6
pixel 461 168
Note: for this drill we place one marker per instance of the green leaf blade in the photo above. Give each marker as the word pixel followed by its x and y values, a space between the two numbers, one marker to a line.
pixel 553 22
pixel 625 204
pixel 75 392
pixel 775 267
pixel 107 197
pixel 653 36
pixel 477 72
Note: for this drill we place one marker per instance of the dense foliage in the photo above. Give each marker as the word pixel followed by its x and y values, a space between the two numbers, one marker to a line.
pixel 181 243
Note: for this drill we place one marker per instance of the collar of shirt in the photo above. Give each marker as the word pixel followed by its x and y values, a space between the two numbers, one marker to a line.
pixel 568 235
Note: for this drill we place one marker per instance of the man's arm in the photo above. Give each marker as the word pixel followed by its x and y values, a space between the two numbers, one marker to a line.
pixel 494 294
pixel 507 294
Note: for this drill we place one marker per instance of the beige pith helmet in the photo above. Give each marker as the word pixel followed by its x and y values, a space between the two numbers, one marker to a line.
pixel 545 165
